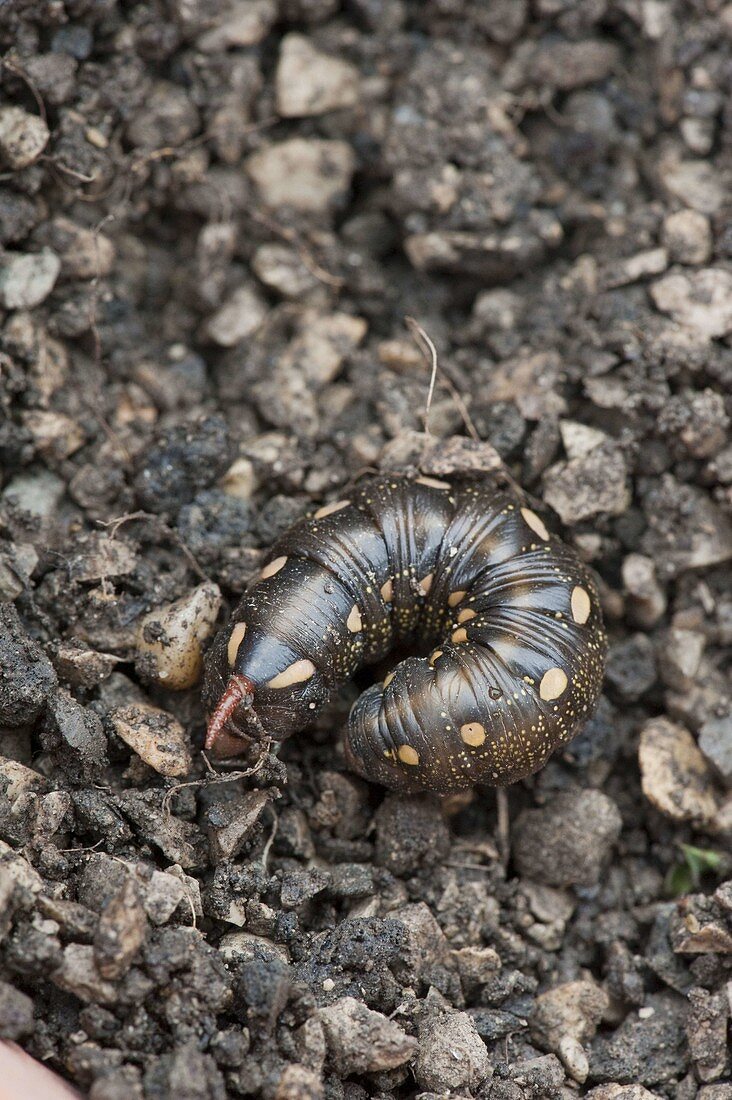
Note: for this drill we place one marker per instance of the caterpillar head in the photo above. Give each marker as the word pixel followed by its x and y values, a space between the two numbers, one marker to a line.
pixel 256 688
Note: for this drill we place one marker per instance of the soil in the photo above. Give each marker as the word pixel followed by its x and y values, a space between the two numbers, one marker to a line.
pixel 215 218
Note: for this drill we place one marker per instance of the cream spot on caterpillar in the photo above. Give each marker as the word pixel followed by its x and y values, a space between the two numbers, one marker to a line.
pixel 272 567
pixel 354 622
pixel 296 673
pixel 473 733
pixel 408 755
pixel 535 523
pixel 426 583
pixel 580 604
pixel 433 483
pixel 235 639
pixel 328 509
pixel 553 683
pixel 455 597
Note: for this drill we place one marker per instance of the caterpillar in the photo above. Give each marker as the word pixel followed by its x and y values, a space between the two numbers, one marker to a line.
pixel 502 617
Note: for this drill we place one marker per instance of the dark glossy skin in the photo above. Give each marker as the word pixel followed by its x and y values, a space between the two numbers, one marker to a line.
pixel 507 615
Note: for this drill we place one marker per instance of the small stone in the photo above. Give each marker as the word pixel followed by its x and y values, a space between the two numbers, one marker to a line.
pixel 16 874
pixel 317 352
pixel 646 599
pixel 18 215
pixel 595 484
pixel 309 82
pixel 701 300
pixel 632 268
pixel 574 1059
pixel 674 774
pixel 162 893
pixel 27 677
pixel 178 840
pixel 100 557
pixel 686 530
pixel 569 65
pixel 701 926
pixel 18 561
pixel 19 787
pixel 410 832
pixel 493 1024
pixel 568 841
pixel 646 1051
pixel 621 1092
pixel 698 134
pixel 80 666
pixel 454 455
pixel 538 1076
pixel 121 931
pixel 182 461
pixel 696 183
pixel 27 278
pixel 23 137
pixel 452 1056
pixel 495 257
pixel 55 435
pixel 631 666
pixel 156 736
pixel 299 887
pixel 697 422
pixel 476 966
pixel 281 268
pixel 715 741
pixel 53 74
pixel 79 974
pixel 84 253
pixel 240 946
pixel 16 1013
pixel 240 480
pixel 239 317
pixel 680 657
pixel 191 890
pixel 242 23
pixel 570 1010
pixel 170 639
pixel 351 880
pixel 687 235
pixel 230 824
pixel 706 1030
pixel 299 1083
pixel 38 492
pixel 623 978
pixel 309 175
pixel 75 737
pixel 426 945
pixel 497 310
pixel 552 907
pixel 167 118
pixel 263 986
pixel 362 1041
pixel 578 439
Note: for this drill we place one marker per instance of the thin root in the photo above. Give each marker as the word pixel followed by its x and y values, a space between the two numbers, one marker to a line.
pixel 428 349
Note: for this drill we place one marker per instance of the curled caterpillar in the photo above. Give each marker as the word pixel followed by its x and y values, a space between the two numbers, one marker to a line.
pixel 505 615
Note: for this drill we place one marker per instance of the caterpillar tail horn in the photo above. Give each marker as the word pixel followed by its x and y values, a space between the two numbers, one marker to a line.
pixel 239 691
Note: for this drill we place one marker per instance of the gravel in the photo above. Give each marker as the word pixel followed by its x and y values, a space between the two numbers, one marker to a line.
pixel 27 278
pixel 214 219
pixel 452 1057
pixel 568 841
